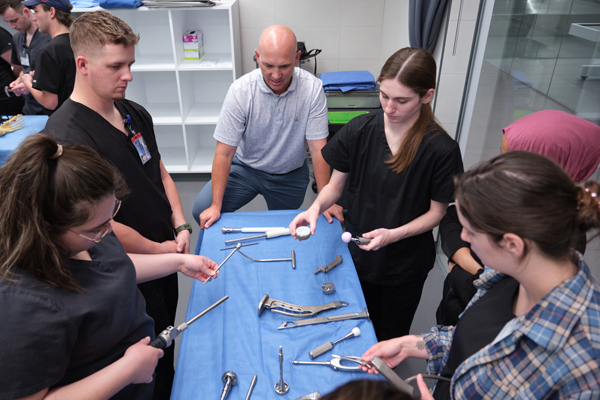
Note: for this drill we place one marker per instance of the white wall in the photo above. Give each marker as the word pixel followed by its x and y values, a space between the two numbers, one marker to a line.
pixel 353 34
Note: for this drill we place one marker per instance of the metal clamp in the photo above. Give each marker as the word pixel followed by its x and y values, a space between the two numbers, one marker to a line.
pixel 330 266
pixel 293 310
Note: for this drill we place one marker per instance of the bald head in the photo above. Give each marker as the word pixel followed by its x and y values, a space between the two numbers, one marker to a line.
pixel 277 56
pixel 279 39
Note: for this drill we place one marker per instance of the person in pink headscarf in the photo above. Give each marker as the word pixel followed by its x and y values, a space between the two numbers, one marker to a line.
pixel 572 142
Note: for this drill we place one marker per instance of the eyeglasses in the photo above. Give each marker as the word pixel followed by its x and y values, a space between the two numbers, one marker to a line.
pixel 106 228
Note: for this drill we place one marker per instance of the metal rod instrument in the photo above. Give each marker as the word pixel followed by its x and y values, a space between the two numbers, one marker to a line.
pixel 236 248
pixel 267 235
pixel 165 338
pixel 335 363
pixel 324 320
pixel 249 230
pixel 252 384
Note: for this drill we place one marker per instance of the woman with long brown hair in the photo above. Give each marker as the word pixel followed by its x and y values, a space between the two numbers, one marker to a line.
pixel 399 163
pixel 532 331
pixel 73 321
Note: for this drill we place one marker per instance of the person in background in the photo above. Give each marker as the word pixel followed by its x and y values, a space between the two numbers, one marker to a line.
pixel 73 321
pixel 268 117
pixel 399 163
pixel 9 103
pixel 532 331
pixel 572 142
pixel 51 83
pixel 151 219
pixel 27 41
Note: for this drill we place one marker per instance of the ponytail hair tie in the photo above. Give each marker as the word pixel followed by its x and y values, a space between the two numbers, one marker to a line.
pixel 59 151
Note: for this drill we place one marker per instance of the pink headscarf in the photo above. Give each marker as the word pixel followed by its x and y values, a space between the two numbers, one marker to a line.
pixel 571 141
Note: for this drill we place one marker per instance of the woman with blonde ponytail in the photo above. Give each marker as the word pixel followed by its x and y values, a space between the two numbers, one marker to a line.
pixel 73 320
pixel 532 331
pixel 399 163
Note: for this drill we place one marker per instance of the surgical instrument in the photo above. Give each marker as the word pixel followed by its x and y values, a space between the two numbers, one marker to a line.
pixel 325 269
pixel 335 363
pixel 268 235
pixel 230 379
pixel 293 310
pixel 328 288
pixel 292 258
pixel 324 348
pixel 281 387
pixel 252 384
pixel 249 230
pixel 310 396
pixel 165 338
pixel 389 374
pixel 302 232
pixel 324 320
pixel 236 248
pixel 347 237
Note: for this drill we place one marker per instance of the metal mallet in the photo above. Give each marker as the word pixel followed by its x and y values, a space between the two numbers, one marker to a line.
pixel 324 348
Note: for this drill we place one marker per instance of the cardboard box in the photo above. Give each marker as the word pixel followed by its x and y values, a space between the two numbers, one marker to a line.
pixel 193 45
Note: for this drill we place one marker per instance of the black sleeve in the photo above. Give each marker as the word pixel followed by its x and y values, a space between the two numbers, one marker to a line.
pixel 14 56
pixel 446 166
pixel 338 151
pixel 5 41
pixel 462 283
pixel 48 76
pixel 450 230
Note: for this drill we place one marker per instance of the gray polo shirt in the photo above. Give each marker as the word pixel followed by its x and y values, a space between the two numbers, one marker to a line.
pixel 269 130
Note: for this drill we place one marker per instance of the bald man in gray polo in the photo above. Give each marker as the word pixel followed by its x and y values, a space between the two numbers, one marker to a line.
pixel 267 119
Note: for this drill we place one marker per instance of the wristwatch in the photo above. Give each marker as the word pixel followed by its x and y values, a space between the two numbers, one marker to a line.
pixel 183 227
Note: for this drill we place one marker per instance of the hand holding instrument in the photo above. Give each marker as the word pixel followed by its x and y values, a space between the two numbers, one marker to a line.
pixel 293 310
pixel 302 232
pixel 281 387
pixel 325 269
pixel 324 348
pixel 252 384
pixel 236 248
pixel 389 374
pixel 324 320
pixel 335 363
pixel 347 237
pixel 13 124
pixel 268 235
pixel 165 338
pixel 230 379
pixel 249 230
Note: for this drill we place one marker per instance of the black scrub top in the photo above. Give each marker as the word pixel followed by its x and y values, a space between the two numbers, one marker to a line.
pixel 381 198
pixel 147 209
pixel 55 69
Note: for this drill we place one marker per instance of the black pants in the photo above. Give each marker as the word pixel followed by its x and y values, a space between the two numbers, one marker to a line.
pixel 161 305
pixel 392 308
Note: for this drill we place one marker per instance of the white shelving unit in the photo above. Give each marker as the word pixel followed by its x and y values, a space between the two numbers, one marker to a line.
pixel 184 97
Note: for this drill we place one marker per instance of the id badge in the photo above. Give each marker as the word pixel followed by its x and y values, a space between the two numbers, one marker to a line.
pixel 24 59
pixel 141 147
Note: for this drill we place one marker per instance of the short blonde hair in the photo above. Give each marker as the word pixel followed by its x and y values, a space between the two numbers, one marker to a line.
pixel 93 30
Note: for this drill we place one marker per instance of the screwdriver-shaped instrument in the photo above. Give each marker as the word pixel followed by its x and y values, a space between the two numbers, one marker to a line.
pixel 165 338
pixel 268 235
pixel 324 348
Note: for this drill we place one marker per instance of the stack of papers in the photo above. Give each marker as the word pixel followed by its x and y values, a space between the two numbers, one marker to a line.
pixel 348 80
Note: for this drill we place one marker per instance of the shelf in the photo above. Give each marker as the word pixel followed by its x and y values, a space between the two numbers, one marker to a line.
pixel 202 163
pixel 164 114
pixel 203 114
pixel 210 62
pixel 153 62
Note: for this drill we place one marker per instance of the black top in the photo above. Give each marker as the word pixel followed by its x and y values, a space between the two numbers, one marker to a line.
pixel 55 69
pixel 380 198
pixel 147 210
pixel 478 327
pixel 51 337
pixel 11 104
pixel 458 285
pixel 24 56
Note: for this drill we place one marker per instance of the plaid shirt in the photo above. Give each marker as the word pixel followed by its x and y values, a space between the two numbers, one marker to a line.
pixel 553 353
